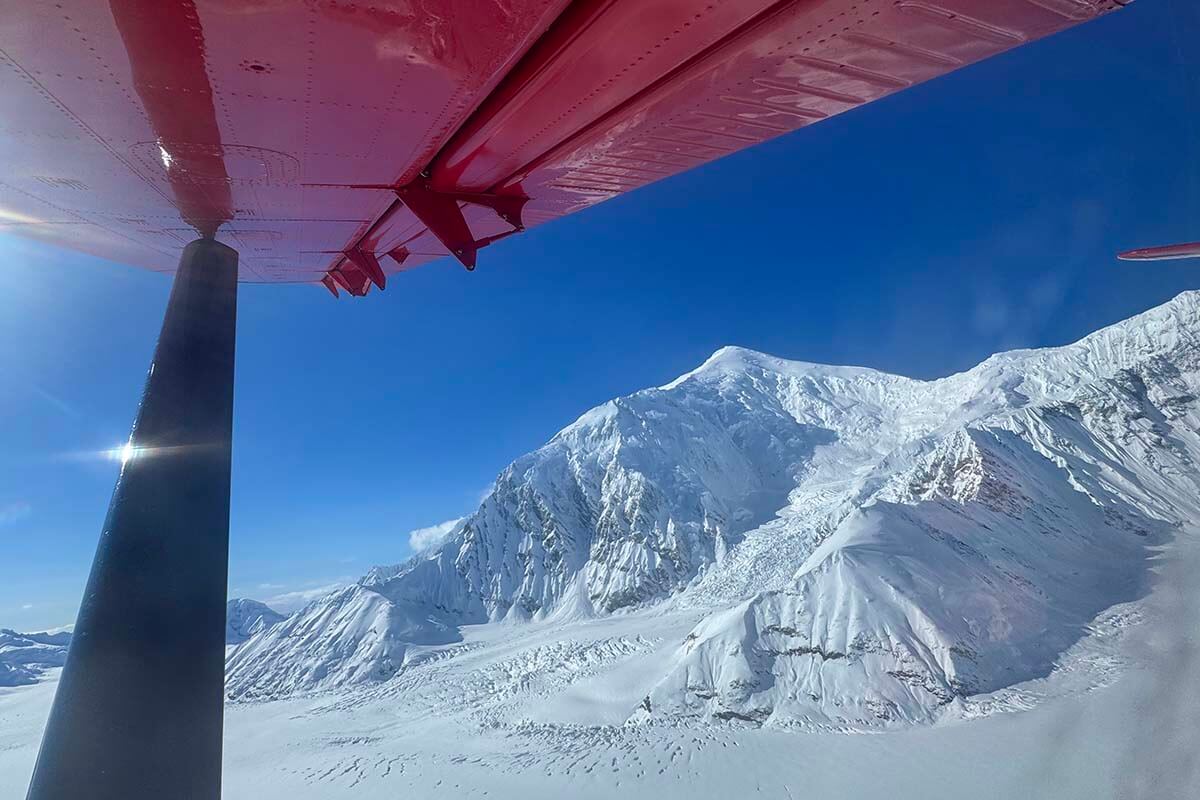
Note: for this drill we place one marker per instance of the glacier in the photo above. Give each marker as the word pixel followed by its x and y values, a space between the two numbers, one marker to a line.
pixel 798 544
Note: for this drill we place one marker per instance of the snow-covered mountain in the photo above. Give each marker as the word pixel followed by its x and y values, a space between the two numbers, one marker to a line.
pixel 856 547
pixel 25 656
pixel 244 618
pixel 352 636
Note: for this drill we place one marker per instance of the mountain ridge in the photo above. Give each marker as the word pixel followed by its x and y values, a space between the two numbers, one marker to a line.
pixel 245 617
pixel 24 657
pixel 777 486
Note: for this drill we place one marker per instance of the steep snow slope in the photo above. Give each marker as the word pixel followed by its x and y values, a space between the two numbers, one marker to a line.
pixel 351 636
pixel 25 656
pixel 860 547
pixel 973 557
pixel 244 618
pixel 624 506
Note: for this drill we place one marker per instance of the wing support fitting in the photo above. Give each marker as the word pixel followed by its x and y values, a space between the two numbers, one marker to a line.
pixel 442 214
pixel 368 265
pixel 358 269
pixel 399 255
pixel 350 278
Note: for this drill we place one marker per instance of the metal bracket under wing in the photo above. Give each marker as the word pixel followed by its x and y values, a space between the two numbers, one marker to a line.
pixel 441 213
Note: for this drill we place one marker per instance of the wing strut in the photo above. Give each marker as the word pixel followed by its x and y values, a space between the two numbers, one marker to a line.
pixel 139 706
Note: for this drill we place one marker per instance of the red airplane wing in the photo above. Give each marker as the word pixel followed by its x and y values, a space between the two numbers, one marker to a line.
pixel 337 141
pixel 1170 252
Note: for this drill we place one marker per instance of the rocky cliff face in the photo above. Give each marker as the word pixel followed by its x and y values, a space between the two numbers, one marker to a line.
pixel 624 507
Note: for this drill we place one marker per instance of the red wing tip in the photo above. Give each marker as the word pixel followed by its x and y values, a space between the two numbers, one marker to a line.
pixel 1169 252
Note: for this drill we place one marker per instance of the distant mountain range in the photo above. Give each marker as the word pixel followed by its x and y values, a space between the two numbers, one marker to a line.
pixel 244 618
pixel 858 548
pixel 24 657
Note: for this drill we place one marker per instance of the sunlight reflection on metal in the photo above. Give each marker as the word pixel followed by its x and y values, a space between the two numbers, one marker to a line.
pixel 7 215
pixel 165 156
pixel 129 451
pixel 125 453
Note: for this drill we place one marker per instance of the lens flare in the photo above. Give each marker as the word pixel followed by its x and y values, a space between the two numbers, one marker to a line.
pixel 125 453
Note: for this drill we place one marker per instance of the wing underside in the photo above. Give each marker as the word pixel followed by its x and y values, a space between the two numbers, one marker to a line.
pixel 340 142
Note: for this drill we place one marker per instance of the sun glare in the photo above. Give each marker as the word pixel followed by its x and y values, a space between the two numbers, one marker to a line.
pixel 123 453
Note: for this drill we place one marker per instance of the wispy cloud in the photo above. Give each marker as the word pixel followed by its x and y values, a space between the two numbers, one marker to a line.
pixel 13 513
pixel 287 602
pixel 27 607
pixel 423 539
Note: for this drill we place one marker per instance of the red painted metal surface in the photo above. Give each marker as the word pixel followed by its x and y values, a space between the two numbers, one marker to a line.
pixel 317 137
pixel 1167 253
pixel 172 85
pixel 368 265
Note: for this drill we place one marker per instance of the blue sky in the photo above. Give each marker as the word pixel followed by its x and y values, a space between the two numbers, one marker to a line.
pixel 973 214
